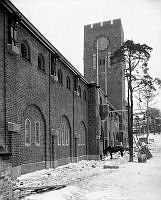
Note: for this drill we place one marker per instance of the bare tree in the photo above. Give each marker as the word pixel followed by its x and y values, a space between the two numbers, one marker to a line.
pixel 146 96
pixel 135 59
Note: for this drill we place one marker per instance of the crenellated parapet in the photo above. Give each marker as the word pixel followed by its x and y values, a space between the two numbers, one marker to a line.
pixel 105 24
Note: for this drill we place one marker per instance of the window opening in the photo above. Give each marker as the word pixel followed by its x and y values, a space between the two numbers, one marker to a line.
pixel 27 132
pixel 37 133
pixel 41 62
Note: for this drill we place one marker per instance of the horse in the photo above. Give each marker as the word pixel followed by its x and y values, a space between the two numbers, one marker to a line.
pixel 113 150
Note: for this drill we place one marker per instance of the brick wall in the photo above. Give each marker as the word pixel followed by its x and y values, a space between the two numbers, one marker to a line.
pixel 2 67
pixel 27 87
pixel 5 178
pixel 93 122
pixel 65 102
pixel 32 93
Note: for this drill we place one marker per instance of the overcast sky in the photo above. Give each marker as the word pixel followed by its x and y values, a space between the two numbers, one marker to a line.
pixel 62 23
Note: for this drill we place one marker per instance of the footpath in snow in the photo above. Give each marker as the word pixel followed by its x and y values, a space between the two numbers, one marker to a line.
pixel 90 180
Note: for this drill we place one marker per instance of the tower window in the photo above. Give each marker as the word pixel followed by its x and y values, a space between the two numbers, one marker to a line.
pixel 94 61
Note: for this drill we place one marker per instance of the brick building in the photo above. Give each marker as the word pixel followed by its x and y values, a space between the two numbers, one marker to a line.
pixel 50 114
pixel 100 41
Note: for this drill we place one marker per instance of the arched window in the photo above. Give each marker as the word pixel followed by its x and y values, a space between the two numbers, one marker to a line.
pixel 79 91
pixel 68 84
pixel 25 50
pixel 41 62
pixel 37 133
pixel 53 65
pixel 84 95
pixel 60 76
pixel 64 133
pixel 27 132
pixel 82 134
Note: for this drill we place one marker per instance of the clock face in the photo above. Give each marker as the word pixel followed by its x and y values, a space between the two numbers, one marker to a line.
pixel 102 43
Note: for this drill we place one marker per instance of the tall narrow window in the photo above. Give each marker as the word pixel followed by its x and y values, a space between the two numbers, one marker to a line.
pixel 84 95
pixel 27 132
pixel 60 76
pixel 76 80
pixel 103 61
pixel 68 83
pixel 12 33
pixel 67 137
pixel 63 134
pixel 53 65
pixel 25 51
pixel 79 91
pixel 82 134
pixel 59 137
pixel 37 133
pixel 41 62
pixel 94 61
pixel 100 100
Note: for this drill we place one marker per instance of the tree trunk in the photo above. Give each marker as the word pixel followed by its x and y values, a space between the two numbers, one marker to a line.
pixel 130 99
pixel 131 126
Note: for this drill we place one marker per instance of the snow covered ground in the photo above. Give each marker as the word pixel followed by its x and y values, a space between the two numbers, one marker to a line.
pixel 90 180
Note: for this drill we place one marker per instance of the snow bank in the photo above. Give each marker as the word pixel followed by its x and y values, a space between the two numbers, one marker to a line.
pixel 67 174
pixel 88 180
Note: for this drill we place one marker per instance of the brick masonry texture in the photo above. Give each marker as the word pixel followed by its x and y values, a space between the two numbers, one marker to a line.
pixel 26 92
pixel 1 77
pixel 113 31
pixel 5 179
pixel 33 94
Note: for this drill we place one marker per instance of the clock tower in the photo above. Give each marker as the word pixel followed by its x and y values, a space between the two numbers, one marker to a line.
pixel 100 41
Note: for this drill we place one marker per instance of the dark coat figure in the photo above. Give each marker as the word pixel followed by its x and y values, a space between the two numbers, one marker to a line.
pixel 113 150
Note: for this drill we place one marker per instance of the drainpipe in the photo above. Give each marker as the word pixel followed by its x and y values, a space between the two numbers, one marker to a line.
pixel 50 138
pixel 73 139
pixel 4 89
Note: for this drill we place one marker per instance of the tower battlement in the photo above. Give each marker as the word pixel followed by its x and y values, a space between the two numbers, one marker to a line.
pixel 103 24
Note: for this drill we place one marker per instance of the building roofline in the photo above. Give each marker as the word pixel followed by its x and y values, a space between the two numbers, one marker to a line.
pixel 12 9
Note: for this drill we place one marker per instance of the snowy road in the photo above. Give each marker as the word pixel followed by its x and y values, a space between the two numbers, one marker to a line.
pixel 131 181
